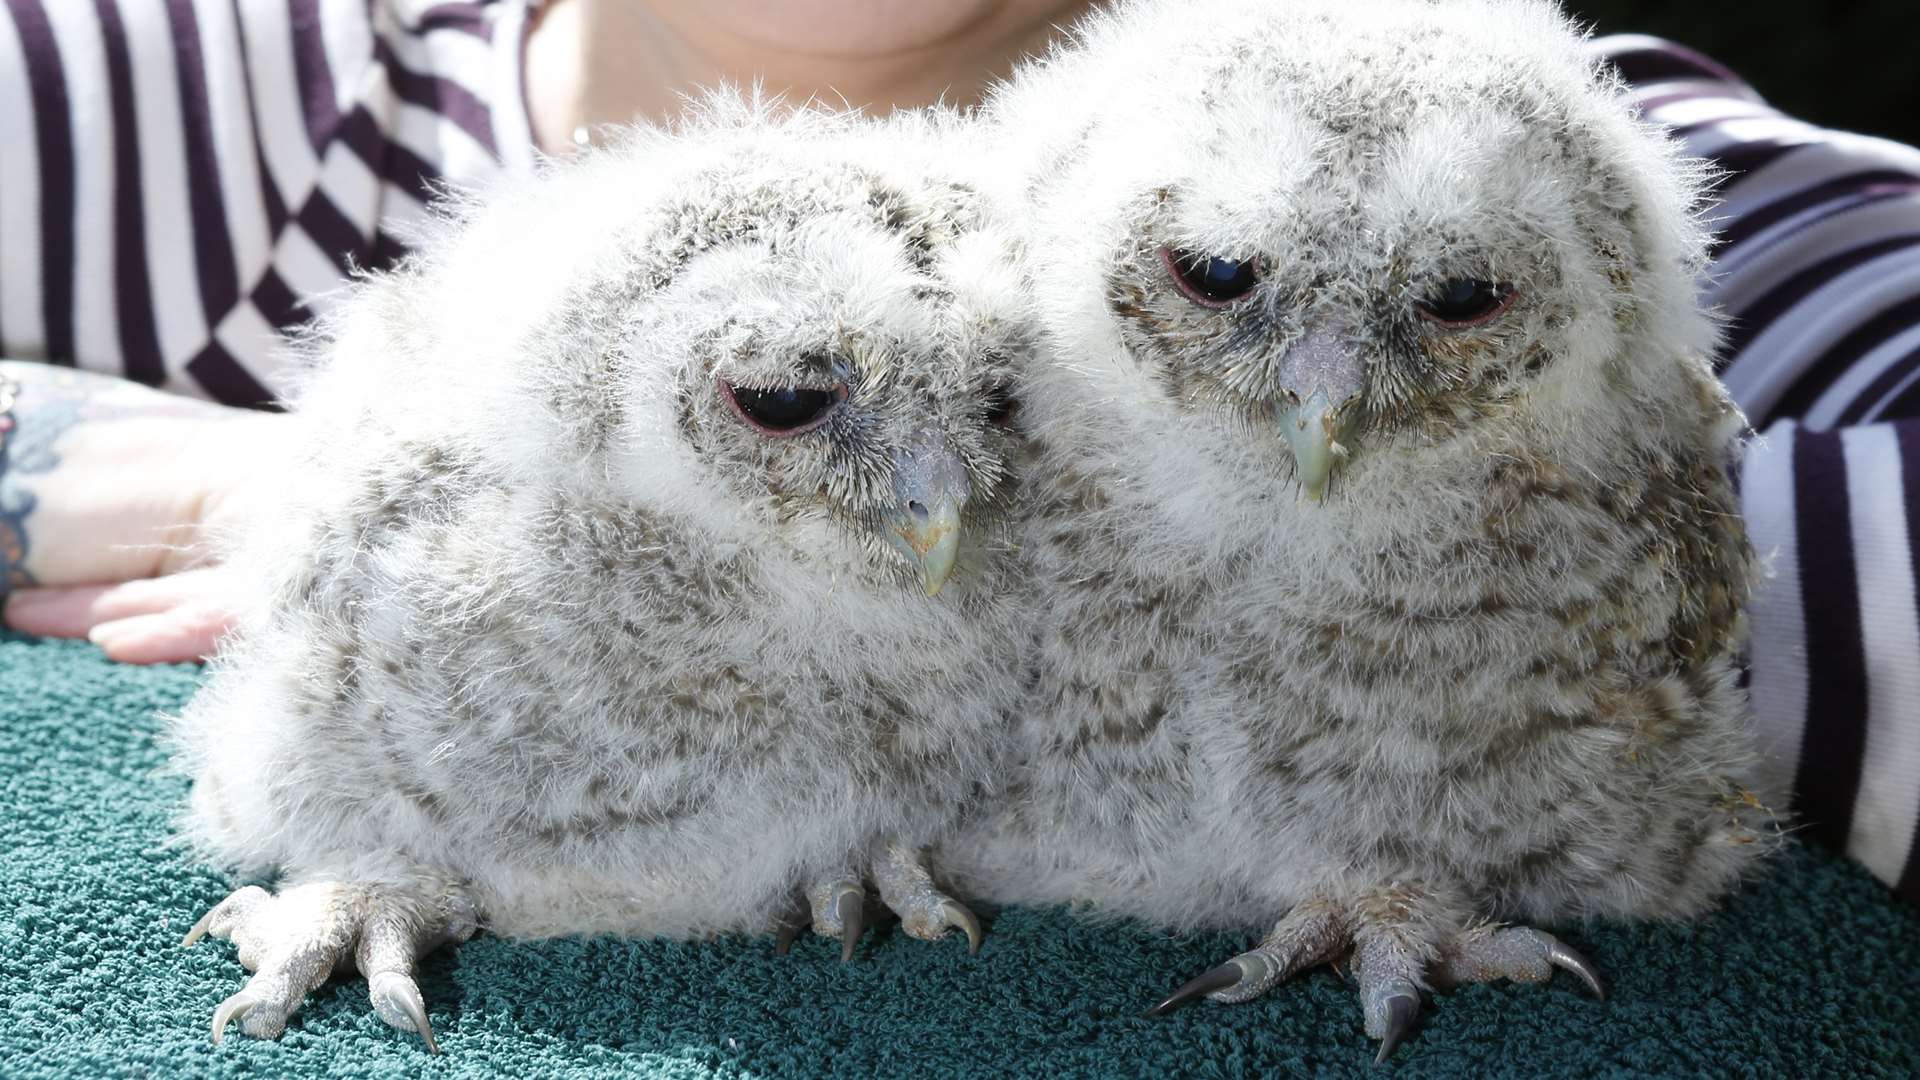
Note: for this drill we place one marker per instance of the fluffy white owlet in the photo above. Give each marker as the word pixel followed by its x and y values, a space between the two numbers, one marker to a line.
pixel 606 601
pixel 1389 573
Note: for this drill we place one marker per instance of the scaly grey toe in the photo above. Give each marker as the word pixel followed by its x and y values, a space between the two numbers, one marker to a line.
pixel 1520 953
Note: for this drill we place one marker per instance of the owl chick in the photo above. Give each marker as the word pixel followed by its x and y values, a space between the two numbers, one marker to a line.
pixel 1389 572
pixel 650 564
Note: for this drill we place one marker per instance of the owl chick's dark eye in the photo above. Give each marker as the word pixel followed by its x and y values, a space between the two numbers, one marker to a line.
pixel 1209 280
pixel 783 410
pixel 1463 302
pixel 1001 406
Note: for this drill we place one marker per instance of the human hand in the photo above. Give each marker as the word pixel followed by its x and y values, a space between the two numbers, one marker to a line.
pixel 110 493
pixel 178 618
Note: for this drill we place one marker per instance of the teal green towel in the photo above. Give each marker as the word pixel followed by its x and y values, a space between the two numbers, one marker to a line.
pixel 1813 971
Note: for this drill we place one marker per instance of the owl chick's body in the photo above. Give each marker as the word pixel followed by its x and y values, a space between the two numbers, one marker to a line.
pixel 1388 570
pixel 603 604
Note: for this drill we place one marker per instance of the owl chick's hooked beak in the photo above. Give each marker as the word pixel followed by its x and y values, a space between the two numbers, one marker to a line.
pixel 929 488
pixel 1320 381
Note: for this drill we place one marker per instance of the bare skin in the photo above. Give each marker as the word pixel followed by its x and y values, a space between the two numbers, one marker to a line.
pixel 114 492
pixel 111 494
pixel 594 62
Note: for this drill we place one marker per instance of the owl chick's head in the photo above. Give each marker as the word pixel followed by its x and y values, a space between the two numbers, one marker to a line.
pixel 799 330
pixel 1352 227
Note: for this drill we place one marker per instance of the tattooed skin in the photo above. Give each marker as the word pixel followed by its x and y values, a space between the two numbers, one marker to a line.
pixel 39 405
pixel 24 448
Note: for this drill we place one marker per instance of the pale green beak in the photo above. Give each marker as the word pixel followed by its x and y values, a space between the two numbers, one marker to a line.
pixel 1314 429
pixel 932 541
pixel 1321 379
pixel 930 489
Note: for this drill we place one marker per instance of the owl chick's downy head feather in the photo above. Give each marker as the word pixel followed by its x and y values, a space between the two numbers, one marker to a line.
pixel 794 327
pixel 1340 230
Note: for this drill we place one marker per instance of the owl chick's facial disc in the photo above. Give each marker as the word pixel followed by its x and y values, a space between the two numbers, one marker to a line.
pixel 830 379
pixel 1353 267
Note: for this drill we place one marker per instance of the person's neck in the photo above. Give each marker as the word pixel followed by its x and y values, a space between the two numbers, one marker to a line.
pixel 596 62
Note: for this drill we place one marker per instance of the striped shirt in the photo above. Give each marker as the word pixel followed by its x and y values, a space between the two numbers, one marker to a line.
pixel 1817 265
pixel 184 180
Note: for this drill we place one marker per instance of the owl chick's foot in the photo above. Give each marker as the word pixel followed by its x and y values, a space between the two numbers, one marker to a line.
pixel 837 908
pixel 925 912
pixel 1399 949
pixel 293 941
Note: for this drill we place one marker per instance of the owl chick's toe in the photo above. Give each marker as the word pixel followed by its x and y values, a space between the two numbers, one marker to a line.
pixel 837 908
pixel 1222 980
pixel 1398 940
pixel 1399 1005
pixel 839 911
pixel 293 941
pixel 396 997
pixel 788 924
pixel 926 913
pixel 1314 932
pixel 1520 953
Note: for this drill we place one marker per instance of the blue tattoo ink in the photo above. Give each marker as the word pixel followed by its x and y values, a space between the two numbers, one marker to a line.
pixel 14 505
pixel 27 447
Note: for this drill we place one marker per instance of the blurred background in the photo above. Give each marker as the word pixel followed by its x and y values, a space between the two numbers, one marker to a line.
pixel 1852 64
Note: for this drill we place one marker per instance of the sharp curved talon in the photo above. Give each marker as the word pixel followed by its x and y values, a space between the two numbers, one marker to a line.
pixel 1401 1010
pixel 235 1006
pixel 850 905
pixel 393 992
pixel 1564 956
pixel 1212 981
pixel 958 915
pixel 789 925
pixel 197 931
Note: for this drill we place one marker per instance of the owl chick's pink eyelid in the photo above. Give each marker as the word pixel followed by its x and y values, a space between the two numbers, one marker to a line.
pixel 1506 301
pixel 1173 271
pixel 733 406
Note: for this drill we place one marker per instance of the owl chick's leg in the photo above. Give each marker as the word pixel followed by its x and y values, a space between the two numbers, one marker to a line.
pixel 837 908
pixel 295 940
pixel 1403 940
pixel 925 912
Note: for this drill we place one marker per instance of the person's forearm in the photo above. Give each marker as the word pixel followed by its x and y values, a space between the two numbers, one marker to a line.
pixel 100 479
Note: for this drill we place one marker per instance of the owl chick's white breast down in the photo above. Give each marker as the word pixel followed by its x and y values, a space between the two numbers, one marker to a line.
pixel 649 572
pixel 1389 570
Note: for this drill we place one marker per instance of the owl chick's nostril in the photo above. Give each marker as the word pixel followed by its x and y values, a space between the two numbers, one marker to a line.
pixel 919 511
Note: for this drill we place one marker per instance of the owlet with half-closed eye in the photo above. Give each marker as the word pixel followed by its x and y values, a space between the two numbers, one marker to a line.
pixel 1389 573
pixel 648 569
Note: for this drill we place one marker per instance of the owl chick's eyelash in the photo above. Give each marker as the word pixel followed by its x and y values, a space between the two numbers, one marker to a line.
pixel 1181 264
pixel 1501 297
pixel 730 394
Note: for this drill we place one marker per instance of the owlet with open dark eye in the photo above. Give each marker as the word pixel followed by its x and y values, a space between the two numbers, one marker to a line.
pixel 1389 575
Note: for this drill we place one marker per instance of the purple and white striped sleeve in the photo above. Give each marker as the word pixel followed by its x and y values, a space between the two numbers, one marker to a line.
pixel 1817 266
pixel 184 180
